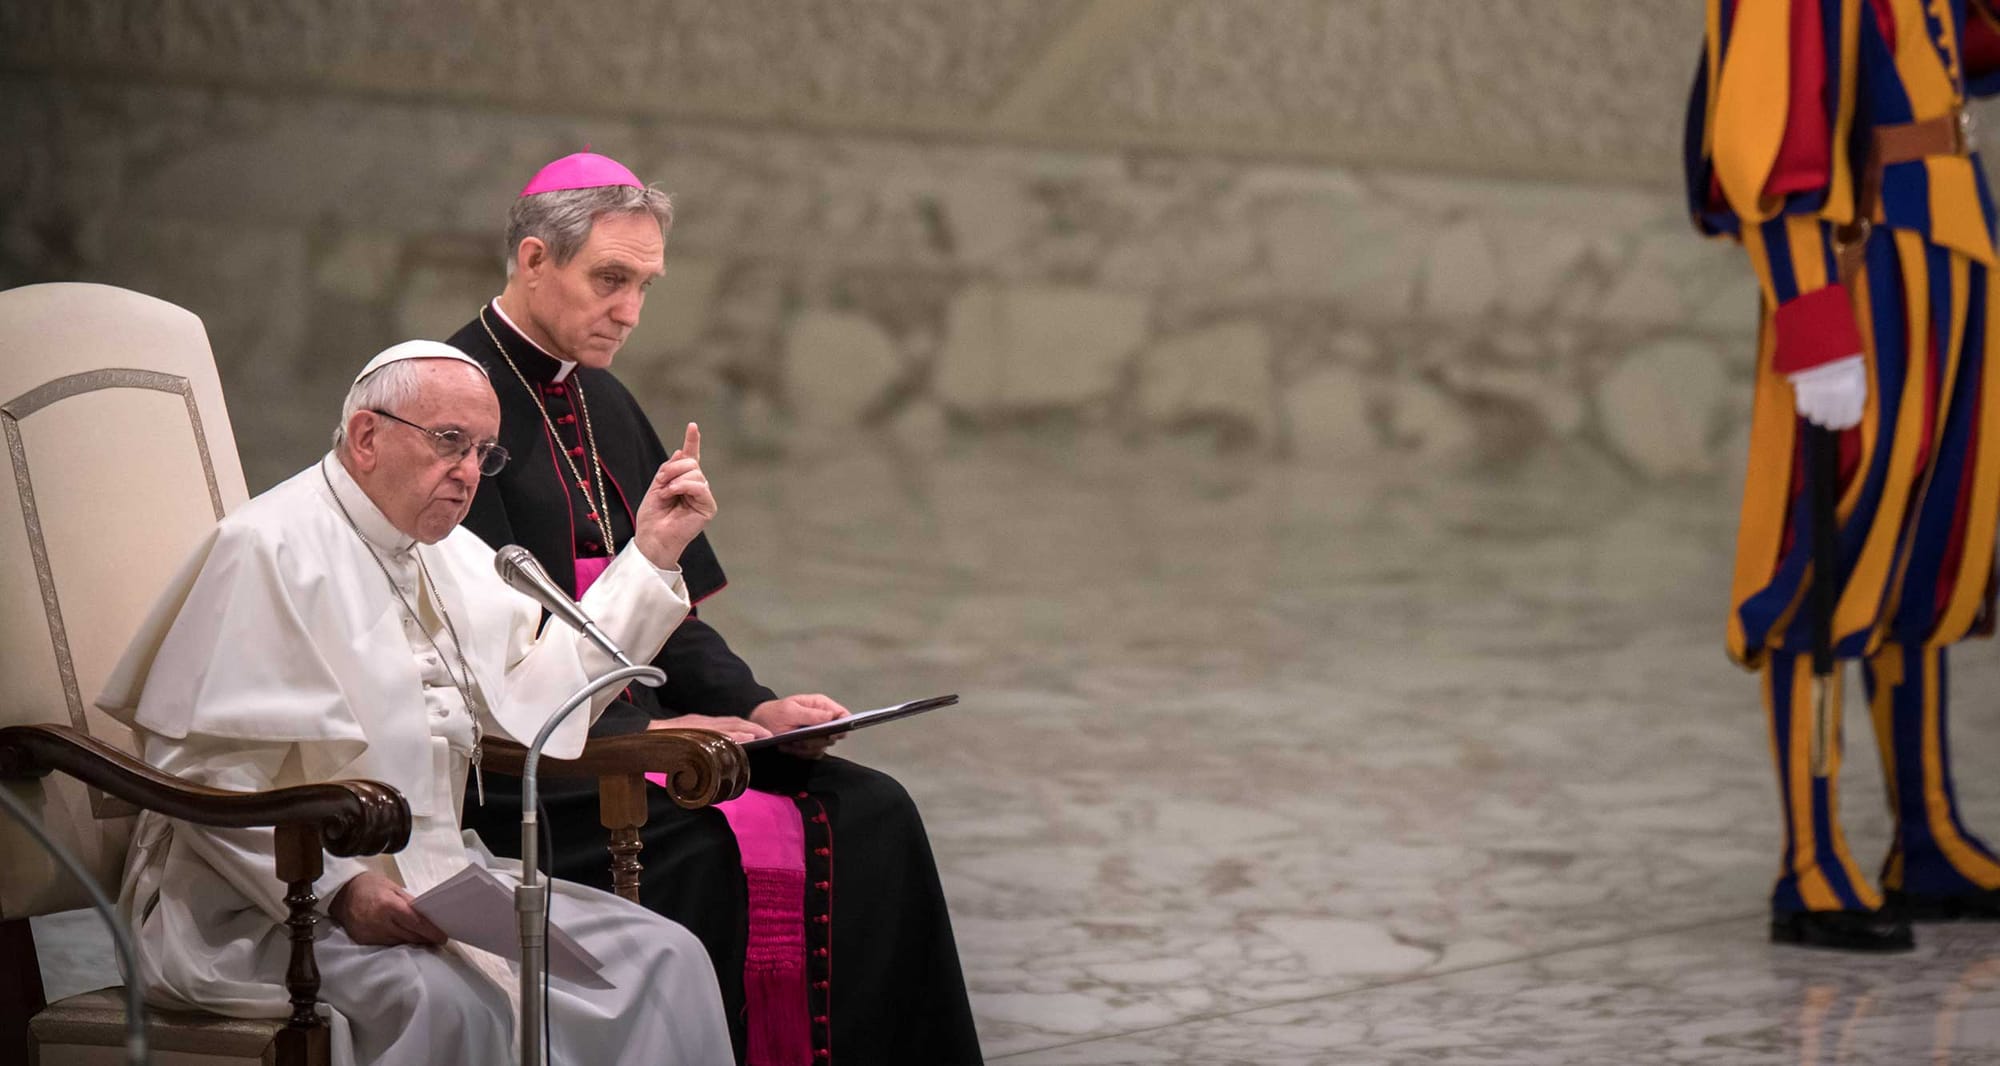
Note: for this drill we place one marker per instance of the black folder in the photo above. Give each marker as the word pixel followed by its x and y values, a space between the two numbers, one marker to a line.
pixel 858 720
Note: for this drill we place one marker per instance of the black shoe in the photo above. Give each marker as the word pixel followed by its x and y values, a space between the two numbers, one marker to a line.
pixel 1843 930
pixel 1979 906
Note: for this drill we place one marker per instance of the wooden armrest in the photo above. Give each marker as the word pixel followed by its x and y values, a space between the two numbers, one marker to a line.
pixel 702 766
pixel 344 818
pixel 353 817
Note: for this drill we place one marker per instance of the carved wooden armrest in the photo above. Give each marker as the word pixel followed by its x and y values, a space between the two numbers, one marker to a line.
pixel 352 817
pixel 702 766
pixel 347 818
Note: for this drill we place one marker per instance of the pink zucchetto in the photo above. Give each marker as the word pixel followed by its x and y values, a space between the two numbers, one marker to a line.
pixel 583 170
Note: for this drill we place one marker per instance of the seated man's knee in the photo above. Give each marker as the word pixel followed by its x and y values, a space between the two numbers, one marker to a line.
pixel 866 792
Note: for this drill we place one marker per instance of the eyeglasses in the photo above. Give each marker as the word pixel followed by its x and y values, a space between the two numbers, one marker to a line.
pixel 454 445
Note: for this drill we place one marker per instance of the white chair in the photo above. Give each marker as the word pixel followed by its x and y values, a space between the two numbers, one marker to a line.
pixel 119 457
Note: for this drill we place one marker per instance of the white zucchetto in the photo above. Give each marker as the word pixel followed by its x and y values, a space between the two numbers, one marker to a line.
pixel 416 350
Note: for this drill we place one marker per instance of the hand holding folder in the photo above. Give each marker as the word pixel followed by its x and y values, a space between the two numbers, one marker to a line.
pixel 859 720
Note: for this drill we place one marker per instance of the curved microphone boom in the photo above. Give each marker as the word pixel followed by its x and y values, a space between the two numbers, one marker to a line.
pixel 518 568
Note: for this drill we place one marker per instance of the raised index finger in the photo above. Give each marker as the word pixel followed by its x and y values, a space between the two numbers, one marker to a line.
pixel 691 444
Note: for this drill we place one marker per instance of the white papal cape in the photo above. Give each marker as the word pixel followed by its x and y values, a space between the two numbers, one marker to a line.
pixel 280 655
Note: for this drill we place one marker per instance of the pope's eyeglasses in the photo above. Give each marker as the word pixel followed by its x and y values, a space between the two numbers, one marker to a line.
pixel 454 445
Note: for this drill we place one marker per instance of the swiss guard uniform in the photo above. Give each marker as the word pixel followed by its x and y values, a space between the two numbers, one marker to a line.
pixel 1829 138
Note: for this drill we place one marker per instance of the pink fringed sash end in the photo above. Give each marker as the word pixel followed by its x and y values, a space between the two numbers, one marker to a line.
pixel 771 836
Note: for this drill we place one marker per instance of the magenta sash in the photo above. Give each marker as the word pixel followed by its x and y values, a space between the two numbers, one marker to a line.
pixel 588 571
pixel 772 838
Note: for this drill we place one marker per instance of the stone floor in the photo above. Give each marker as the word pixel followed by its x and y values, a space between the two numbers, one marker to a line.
pixel 1264 764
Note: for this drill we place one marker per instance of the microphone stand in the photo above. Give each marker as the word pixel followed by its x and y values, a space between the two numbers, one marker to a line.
pixel 531 899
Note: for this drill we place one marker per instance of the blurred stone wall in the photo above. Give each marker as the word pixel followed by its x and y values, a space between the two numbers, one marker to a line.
pixel 1319 231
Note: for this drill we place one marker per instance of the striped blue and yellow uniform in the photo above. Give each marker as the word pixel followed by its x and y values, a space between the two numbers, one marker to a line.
pixel 1792 146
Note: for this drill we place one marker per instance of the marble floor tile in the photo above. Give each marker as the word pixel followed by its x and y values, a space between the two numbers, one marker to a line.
pixel 1714 994
pixel 1262 763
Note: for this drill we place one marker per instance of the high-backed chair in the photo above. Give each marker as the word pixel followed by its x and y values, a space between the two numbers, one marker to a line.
pixel 121 457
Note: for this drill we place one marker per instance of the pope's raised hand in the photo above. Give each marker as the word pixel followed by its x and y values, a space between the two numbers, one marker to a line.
pixel 677 506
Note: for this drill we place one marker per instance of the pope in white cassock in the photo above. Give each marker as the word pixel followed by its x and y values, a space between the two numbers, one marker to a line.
pixel 341 625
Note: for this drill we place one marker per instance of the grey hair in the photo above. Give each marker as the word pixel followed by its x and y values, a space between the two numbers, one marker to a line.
pixel 395 385
pixel 561 219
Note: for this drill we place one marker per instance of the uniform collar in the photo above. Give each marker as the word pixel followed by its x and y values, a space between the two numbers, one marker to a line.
pixel 380 533
pixel 562 366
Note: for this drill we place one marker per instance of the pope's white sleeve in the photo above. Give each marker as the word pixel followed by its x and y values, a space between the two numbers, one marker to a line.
pixel 246 858
pixel 635 603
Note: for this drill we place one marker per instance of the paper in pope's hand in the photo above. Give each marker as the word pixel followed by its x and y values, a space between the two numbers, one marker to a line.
pixel 857 720
pixel 474 907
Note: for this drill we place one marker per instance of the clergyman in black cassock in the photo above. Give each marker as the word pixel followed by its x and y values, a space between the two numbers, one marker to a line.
pixel 884 982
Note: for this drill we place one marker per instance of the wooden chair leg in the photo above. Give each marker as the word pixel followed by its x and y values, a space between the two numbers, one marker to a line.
pixel 304 1041
pixel 21 993
pixel 621 806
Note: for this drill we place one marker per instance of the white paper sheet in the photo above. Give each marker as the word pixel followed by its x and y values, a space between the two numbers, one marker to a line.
pixel 473 906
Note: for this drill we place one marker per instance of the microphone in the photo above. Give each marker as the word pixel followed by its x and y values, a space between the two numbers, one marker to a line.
pixel 517 567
